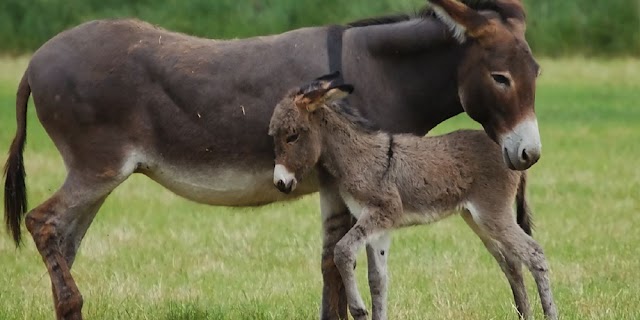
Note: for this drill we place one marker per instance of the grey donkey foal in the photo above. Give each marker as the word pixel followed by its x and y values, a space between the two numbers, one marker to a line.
pixel 390 181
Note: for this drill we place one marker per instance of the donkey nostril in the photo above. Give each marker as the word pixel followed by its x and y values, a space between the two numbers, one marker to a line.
pixel 280 184
pixel 525 156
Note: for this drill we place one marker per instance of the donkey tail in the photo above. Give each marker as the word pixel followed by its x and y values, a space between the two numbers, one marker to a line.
pixel 15 190
pixel 522 209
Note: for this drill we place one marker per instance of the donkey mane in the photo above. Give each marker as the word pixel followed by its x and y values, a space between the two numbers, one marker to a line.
pixel 392 18
pixel 422 13
pixel 388 19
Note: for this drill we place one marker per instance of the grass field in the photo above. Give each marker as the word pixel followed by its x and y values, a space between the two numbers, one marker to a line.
pixel 152 255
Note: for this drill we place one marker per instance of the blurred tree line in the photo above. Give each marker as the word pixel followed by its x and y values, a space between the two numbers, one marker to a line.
pixel 555 27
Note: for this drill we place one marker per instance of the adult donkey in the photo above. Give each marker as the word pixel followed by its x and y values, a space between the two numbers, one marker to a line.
pixel 119 97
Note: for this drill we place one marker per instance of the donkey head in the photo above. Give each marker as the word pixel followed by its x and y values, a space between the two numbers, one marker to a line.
pixel 496 79
pixel 295 134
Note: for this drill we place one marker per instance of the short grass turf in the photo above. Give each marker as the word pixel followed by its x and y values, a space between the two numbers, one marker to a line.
pixel 152 255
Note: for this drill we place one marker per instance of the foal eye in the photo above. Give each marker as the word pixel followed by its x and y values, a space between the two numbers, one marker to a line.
pixel 292 138
pixel 501 79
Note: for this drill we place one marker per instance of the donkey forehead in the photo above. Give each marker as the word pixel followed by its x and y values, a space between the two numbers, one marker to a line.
pixel 506 49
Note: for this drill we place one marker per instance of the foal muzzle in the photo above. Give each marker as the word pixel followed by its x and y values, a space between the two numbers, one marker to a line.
pixel 283 179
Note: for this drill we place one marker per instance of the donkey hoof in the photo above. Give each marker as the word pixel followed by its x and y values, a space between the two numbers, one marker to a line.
pixel 71 309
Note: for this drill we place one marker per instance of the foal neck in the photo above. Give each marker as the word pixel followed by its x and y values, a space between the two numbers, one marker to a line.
pixel 348 148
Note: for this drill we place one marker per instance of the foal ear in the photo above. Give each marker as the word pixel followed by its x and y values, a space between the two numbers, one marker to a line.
pixel 336 93
pixel 329 77
pixel 461 19
pixel 310 101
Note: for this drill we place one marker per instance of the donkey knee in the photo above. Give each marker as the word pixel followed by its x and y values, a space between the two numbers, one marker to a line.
pixel 40 228
pixel 343 256
pixel 33 221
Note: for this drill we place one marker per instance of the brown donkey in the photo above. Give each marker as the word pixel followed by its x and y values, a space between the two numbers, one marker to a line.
pixel 390 181
pixel 123 97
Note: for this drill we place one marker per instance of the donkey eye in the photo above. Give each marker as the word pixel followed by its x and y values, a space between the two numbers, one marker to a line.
pixel 501 79
pixel 292 138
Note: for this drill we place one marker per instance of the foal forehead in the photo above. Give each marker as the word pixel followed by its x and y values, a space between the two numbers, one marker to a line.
pixel 285 116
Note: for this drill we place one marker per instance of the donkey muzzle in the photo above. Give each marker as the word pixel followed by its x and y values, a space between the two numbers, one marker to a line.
pixel 284 179
pixel 521 147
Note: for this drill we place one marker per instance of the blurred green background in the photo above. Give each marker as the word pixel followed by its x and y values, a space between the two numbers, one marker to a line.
pixel 556 27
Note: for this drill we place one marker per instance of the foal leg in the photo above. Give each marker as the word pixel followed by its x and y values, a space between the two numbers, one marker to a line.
pixel 531 254
pixel 369 224
pixel 345 259
pixel 377 255
pixel 57 227
pixel 523 247
pixel 512 268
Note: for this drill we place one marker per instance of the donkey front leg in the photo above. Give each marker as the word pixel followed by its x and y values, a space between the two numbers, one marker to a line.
pixel 336 221
pixel 377 255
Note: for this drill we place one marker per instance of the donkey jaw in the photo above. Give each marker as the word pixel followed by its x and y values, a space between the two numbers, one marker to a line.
pixel 284 179
pixel 521 147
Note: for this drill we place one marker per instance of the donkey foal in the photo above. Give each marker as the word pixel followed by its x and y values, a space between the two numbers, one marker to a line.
pixel 390 181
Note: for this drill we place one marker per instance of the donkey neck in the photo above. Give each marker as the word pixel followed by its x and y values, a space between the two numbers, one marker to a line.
pixel 405 73
pixel 348 148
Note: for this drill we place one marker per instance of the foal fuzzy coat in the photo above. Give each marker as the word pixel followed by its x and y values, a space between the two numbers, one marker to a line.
pixel 389 181
pixel 453 168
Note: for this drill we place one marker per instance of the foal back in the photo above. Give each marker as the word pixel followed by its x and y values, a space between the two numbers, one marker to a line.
pixel 436 175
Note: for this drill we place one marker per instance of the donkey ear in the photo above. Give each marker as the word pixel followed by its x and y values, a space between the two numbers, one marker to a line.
pixel 461 19
pixel 338 92
pixel 513 13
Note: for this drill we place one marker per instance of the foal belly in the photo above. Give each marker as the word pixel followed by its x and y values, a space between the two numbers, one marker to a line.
pixel 408 217
pixel 227 186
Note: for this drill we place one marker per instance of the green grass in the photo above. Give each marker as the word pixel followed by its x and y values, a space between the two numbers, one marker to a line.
pixel 152 255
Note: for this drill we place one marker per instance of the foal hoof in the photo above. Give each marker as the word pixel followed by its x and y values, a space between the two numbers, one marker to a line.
pixel 359 314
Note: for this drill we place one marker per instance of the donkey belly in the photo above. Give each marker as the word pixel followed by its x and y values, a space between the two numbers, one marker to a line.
pixel 224 186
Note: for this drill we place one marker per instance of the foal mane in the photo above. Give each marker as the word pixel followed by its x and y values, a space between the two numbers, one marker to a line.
pixel 346 111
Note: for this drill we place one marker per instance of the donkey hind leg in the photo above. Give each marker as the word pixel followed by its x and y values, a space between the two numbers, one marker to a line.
pixel 523 247
pixel 345 258
pixel 377 255
pixel 512 268
pixel 57 227
pixel 336 221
